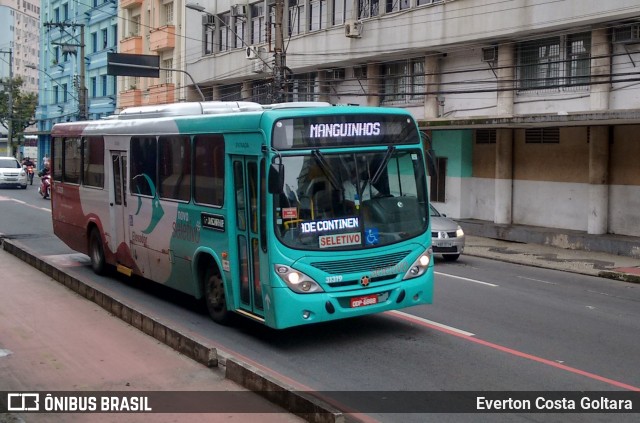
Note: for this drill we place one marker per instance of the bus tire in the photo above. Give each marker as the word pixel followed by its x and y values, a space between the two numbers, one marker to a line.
pixel 96 252
pixel 214 297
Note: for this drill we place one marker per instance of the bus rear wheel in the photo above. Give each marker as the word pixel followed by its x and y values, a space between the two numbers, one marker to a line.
pixel 214 297
pixel 96 252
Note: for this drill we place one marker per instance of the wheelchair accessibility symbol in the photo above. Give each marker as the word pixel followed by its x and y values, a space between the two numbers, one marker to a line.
pixel 372 236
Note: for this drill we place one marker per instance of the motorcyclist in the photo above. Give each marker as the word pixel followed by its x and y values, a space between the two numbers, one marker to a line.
pixel 28 164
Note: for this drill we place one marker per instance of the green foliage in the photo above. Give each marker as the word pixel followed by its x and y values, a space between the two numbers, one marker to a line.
pixel 24 107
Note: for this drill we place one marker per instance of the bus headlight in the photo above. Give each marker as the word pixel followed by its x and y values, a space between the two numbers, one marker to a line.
pixel 420 265
pixel 297 281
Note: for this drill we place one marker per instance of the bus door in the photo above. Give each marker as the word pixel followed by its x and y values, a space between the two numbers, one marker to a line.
pixel 245 185
pixel 118 207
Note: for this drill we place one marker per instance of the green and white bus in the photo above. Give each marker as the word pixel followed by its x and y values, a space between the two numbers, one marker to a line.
pixel 288 214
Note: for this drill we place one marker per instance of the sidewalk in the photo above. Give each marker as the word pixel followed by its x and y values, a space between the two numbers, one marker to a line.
pixel 51 339
pixel 592 263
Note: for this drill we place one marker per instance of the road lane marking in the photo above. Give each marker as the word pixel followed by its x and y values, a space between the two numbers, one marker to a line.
pixel 537 280
pixel 461 334
pixel 24 203
pixel 429 323
pixel 467 279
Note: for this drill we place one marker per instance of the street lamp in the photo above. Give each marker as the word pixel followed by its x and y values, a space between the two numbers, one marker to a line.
pixel 195 6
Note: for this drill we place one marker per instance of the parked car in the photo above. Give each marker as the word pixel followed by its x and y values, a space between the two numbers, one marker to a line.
pixel 447 237
pixel 12 173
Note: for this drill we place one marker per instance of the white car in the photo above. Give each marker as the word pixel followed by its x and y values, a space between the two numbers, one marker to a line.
pixel 12 173
pixel 447 237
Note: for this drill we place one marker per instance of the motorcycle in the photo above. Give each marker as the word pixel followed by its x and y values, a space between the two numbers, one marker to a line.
pixel 30 172
pixel 45 185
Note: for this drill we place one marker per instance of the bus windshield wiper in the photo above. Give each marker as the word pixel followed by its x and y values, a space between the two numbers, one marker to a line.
pixel 383 165
pixel 326 169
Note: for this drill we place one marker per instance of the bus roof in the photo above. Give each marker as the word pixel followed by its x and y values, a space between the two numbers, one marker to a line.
pixel 149 118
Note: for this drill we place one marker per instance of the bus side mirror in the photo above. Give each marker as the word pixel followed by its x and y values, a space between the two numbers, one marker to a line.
pixel 276 178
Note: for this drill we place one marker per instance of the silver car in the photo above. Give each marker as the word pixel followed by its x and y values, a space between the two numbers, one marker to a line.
pixel 12 173
pixel 447 237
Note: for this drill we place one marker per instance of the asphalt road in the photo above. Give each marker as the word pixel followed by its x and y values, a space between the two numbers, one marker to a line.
pixel 493 327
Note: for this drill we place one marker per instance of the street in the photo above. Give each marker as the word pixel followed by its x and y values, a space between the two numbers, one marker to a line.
pixel 493 326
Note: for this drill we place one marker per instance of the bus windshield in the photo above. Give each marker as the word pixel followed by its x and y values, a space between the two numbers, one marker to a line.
pixel 351 200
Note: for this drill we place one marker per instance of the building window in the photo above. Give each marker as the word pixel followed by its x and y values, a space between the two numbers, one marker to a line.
pixel 239 32
pixel 422 2
pixel 554 62
pixel 94 42
pixel 317 10
pixel 168 14
pixel 168 75
pixel 65 11
pixel 105 85
pixel 341 11
pixel 486 136
pixel 65 92
pixel 368 8
pixel 257 23
pixel 542 136
pixel 395 5
pixel 403 81
pixel 134 26
pixel 230 92
pixel 296 17
pixel 208 37
pixel 224 32
pixel 303 87
pixel 94 86
pixel 105 38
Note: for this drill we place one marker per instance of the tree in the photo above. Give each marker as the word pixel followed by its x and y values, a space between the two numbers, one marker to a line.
pixel 24 106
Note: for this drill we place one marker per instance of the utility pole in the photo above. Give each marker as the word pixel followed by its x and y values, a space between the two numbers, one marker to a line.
pixel 83 112
pixel 279 73
pixel 10 122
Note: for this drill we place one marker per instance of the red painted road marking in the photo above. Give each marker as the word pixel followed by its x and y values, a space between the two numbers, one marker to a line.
pixel 517 353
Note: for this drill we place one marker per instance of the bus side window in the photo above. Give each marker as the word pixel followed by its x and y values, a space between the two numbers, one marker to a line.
pixel 175 167
pixel 208 169
pixel 143 165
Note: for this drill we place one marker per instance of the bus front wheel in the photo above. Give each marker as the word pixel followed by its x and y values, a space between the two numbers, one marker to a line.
pixel 96 252
pixel 215 298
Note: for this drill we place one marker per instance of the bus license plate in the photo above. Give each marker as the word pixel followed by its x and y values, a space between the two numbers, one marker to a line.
pixel 364 300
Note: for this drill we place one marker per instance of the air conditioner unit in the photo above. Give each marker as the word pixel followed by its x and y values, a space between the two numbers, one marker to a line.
pixel 626 34
pixel 208 19
pixel 238 10
pixel 352 29
pixel 490 54
pixel 251 52
pixel 259 66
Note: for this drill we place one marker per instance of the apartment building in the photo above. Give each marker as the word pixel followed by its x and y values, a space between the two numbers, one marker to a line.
pixel 21 20
pixel 75 40
pixel 531 106
pixel 19 47
pixel 153 27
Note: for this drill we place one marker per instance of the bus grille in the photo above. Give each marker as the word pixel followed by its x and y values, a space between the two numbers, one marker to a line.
pixel 367 264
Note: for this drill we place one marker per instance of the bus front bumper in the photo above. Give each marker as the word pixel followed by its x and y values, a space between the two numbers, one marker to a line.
pixel 299 309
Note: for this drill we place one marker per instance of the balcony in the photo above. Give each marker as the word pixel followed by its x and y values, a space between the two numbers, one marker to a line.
pixel 126 4
pixel 161 94
pixel 130 98
pixel 163 38
pixel 131 45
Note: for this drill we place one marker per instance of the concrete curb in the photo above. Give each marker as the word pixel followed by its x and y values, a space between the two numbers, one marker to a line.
pixel 608 274
pixel 299 403
pixel 247 376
